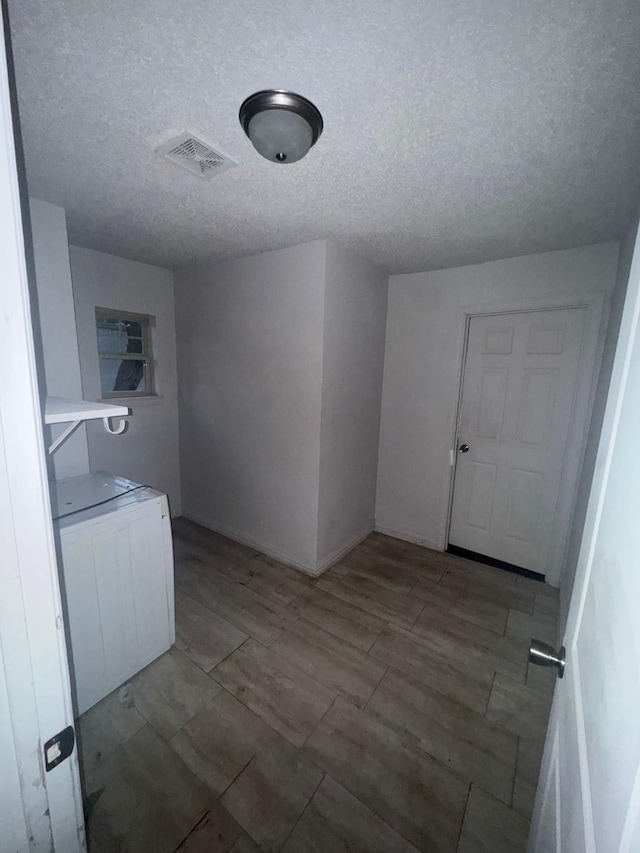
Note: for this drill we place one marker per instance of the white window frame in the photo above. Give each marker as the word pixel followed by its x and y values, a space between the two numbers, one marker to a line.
pixel 147 322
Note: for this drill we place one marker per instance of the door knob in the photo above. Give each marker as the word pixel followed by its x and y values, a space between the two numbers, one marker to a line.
pixel 543 654
pixel 464 448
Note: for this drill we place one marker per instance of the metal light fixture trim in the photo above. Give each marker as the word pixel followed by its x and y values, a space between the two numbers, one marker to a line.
pixel 279 99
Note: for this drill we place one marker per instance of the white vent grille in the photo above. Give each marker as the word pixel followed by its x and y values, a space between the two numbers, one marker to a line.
pixel 195 155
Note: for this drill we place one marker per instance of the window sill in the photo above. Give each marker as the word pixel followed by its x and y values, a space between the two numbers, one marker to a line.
pixel 134 402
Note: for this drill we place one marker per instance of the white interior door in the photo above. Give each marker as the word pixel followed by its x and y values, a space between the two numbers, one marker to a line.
pixel 518 393
pixel 39 810
pixel 589 793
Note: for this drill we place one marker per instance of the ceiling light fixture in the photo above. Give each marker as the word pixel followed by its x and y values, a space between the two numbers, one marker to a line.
pixel 282 126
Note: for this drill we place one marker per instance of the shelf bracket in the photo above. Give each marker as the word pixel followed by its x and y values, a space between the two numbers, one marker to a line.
pixel 118 430
pixel 64 435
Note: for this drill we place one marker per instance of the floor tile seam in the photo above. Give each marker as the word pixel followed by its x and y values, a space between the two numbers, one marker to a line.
pixel 200 600
pixel 276 598
pixel 387 667
pixel 479 597
pixel 280 635
pixel 232 782
pixel 486 710
pixel 273 732
pixel 419 614
pixel 233 584
pixel 299 595
pixel 345 784
pixel 383 588
pixel 464 814
pixel 195 825
pixel 456 611
pixel 108 758
pixel 366 651
pixel 286 661
pixel 448 660
pixel 342 640
pixel 377 637
pixel 369 808
pixel 337 690
pixel 237 649
pixel 480 692
pixel 318 724
pixel 474 589
pixel 356 607
pixel 483 645
pixel 387 562
pixel 163 737
pixel 515 772
pixel 386 587
pixel 306 806
pixel 411 741
pixel 480 715
pixel 217 616
pixel 408 741
pixel 283 658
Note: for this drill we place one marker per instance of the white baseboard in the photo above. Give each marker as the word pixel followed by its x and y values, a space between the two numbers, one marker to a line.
pixel 407 536
pixel 263 547
pixel 282 557
pixel 339 552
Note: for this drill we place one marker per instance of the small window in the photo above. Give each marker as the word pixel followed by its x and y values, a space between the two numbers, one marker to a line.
pixel 124 351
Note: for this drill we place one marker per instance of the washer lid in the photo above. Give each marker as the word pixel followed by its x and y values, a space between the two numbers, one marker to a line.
pixel 85 491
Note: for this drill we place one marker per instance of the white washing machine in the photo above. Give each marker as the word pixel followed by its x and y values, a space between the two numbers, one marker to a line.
pixel 117 566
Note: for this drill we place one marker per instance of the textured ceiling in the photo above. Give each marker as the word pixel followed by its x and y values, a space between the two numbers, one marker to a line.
pixel 456 131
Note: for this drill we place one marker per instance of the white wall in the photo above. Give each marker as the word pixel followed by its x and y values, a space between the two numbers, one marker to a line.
pixel 355 311
pixel 58 327
pixel 424 343
pixel 250 367
pixel 148 451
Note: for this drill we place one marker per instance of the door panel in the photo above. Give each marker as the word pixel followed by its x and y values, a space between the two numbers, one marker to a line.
pixel 539 388
pixel 595 712
pixel 493 391
pixel 483 482
pixel 525 493
pixel 518 390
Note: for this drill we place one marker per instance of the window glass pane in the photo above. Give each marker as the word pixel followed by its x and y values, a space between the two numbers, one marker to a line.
pixel 112 339
pixel 122 375
pixel 108 323
pixel 119 335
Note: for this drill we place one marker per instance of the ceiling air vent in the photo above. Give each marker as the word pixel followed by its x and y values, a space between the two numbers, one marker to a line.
pixel 195 155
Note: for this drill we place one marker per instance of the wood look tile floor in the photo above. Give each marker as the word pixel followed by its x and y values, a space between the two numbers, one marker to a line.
pixel 385 707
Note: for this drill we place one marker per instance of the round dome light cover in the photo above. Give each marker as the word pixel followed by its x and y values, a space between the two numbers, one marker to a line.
pixel 282 126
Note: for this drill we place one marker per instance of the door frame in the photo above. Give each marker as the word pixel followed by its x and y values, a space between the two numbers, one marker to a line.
pixel 35 696
pixel 596 308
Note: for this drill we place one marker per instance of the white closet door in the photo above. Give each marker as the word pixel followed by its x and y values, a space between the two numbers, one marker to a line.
pixel 518 391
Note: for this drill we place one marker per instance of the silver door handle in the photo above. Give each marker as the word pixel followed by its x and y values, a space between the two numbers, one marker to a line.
pixel 542 654
pixel 464 448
